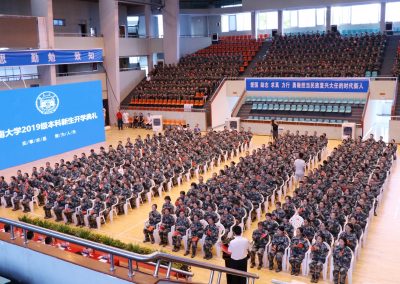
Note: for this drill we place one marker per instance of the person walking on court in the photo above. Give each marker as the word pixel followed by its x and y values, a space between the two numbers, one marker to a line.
pixel 274 129
pixel 239 249
pixel 119 120
pixel 300 167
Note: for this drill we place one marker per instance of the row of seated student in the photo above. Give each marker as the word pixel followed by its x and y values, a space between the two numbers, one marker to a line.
pixel 396 65
pixel 231 197
pixel 101 185
pixel 335 202
pixel 322 55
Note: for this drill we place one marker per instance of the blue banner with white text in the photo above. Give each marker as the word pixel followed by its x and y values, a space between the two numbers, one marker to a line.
pixel 49 57
pixel 339 85
pixel 36 123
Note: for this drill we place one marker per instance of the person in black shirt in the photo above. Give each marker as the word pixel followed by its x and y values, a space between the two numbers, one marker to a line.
pixel 274 127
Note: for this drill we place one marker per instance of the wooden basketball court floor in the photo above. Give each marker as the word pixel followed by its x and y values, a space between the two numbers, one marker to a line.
pixel 378 262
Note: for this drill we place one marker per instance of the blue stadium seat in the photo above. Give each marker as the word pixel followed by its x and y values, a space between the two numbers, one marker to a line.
pixel 329 108
pixel 348 109
pixel 335 108
pixel 342 109
pixel 281 107
pixel 311 108
pixel 299 108
pixel 305 107
pixel 287 107
pixel 323 108
pixel 270 106
pixel 254 107
pixel 259 106
pixel 265 107
pixel 317 108
pixel 290 119
pixel 276 107
pixel 293 108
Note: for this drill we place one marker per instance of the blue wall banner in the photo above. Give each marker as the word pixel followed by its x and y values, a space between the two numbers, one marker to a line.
pixel 339 85
pixel 36 123
pixel 49 57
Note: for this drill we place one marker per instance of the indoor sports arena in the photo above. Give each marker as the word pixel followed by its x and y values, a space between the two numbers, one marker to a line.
pixel 199 141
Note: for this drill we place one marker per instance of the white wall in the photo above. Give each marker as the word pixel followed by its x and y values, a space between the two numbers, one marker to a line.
pixel 85 78
pixel 191 118
pixel 394 130
pixel 62 42
pixel 190 45
pixel 382 89
pixel 17 84
pixel 129 80
pixel 139 46
pixel 29 266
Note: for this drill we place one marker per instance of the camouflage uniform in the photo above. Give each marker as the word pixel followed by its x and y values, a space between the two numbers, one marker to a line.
pixel 51 200
pixel 28 194
pixel 298 248
pixel 260 240
pixel 167 221
pixel 278 246
pixel 181 225
pixel 351 240
pixel 70 209
pixel 98 206
pixel 86 204
pixel 341 264
pixel 212 233
pixel 319 251
pixel 154 219
pixel 196 233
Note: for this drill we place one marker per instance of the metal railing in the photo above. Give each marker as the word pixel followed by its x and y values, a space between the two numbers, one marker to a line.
pixel 154 259
pixel 76 35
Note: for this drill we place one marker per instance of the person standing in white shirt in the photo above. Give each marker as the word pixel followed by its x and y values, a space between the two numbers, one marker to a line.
pixel 299 167
pixel 238 248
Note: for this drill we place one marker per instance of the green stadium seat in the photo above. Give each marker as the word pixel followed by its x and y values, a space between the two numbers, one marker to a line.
pixel 308 119
pixel 281 107
pixel 265 107
pixel 323 108
pixel 299 108
pixel 348 109
pixel 342 109
pixel 293 108
pixel 367 73
pixel 301 119
pixel 329 108
pixel 287 107
pixel 254 107
pixel 276 107
pixel 335 108
pixel 317 108
pixel 290 119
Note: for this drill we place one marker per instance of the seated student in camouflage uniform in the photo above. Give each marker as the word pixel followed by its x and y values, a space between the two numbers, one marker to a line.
pixel 350 236
pixel 278 245
pixel 51 199
pixel 167 221
pixel 154 219
pixel 341 261
pixel 227 220
pixel 196 233
pixel 95 212
pixel 319 251
pixel 71 203
pixel 60 206
pixel 212 233
pixel 298 248
pixel 86 204
pixel 269 224
pixel 27 197
pixel 324 233
pixel 278 214
pixel 181 225
pixel 260 240
pixel 289 230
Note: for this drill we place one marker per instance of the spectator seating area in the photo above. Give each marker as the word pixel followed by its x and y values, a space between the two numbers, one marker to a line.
pixel 396 65
pixel 322 55
pixel 321 110
pixel 103 185
pixel 247 188
pixel 196 76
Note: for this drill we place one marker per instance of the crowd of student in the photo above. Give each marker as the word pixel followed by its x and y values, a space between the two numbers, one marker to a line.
pixel 336 201
pixel 88 189
pixel 322 55
pixel 196 76
pixel 396 65
pixel 231 197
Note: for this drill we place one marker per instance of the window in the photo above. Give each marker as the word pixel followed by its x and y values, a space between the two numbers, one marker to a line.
pixel 243 22
pixel 290 19
pixel 392 12
pixel 236 22
pixel 321 15
pixel 59 22
pixel 160 26
pixel 306 18
pixel 365 14
pixel 267 20
pixel 356 15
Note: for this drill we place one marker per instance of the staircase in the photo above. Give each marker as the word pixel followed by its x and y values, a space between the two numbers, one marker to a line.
pixel 389 55
pixel 397 106
pixel 259 56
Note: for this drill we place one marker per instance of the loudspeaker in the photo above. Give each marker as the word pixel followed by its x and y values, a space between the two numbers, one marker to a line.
pixel 214 38
pixel 274 33
pixel 389 26
pixel 334 28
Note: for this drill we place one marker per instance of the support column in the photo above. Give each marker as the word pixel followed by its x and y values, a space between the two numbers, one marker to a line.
pixel 328 20
pixel 171 31
pixel 149 33
pixel 383 17
pixel 280 22
pixel 109 28
pixel 254 28
pixel 44 9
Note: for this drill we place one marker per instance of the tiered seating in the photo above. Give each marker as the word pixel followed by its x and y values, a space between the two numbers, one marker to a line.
pixel 243 44
pixel 322 55
pixel 304 109
pixel 103 185
pixel 396 66
pixel 196 76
